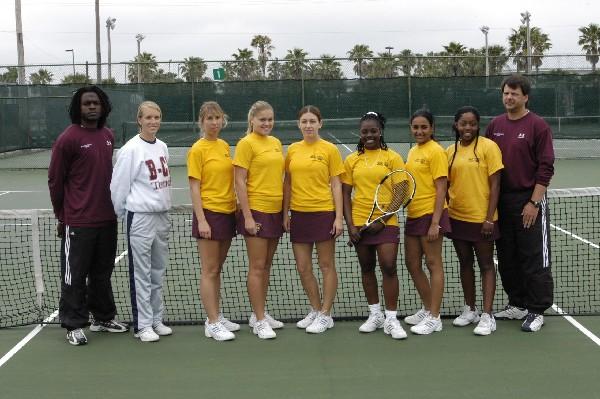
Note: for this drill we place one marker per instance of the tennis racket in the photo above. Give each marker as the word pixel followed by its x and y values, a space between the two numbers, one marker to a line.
pixel 393 193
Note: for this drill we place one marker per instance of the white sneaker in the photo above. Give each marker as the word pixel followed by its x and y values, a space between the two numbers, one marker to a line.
pixel 147 334
pixel 320 324
pixel 467 317
pixel 511 312
pixel 486 326
pixel 272 322
pixel 228 324
pixel 375 321
pixel 307 321
pixel 394 328
pixel 217 331
pixel 533 322
pixel 428 325
pixel 417 317
pixel 161 329
pixel 263 329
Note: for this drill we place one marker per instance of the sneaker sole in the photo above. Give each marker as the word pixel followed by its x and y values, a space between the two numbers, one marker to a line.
pixel 207 335
pixel 321 331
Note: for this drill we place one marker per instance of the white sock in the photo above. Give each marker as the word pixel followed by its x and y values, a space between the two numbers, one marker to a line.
pixel 391 314
pixel 375 308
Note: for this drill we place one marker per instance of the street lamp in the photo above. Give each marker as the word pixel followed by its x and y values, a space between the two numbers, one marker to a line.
pixel 110 25
pixel 485 30
pixel 525 18
pixel 139 37
pixel 389 49
pixel 73 55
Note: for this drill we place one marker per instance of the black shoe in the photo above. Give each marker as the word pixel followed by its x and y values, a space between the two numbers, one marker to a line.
pixel 76 337
pixel 533 322
pixel 108 326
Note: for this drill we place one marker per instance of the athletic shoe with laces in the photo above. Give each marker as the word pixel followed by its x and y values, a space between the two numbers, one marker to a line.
pixel 428 325
pixel 228 324
pixel 416 318
pixel 533 322
pixel 486 326
pixel 272 322
pixel 161 329
pixel 307 321
pixel 76 337
pixel 320 324
pixel 217 331
pixel 112 326
pixel 375 321
pixel 467 317
pixel 147 334
pixel 512 313
pixel 393 327
pixel 263 330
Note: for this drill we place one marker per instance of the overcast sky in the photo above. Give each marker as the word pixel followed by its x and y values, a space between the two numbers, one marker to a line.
pixel 214 29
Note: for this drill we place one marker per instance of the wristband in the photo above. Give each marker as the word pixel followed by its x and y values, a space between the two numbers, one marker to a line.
pixel 488 222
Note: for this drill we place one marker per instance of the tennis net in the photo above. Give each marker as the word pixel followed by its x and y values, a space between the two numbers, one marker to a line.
pixel 30 269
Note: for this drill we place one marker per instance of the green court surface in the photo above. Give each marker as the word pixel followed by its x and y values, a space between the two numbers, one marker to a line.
pixel 558 362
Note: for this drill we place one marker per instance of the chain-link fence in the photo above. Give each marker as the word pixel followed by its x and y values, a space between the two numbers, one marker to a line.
pixel 196 69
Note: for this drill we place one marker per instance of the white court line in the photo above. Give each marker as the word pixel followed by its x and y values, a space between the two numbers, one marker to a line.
pixel 591 244
pixel 39 328
pixel 577 325
pixel 4 193
pixel 339 142
pixel 21 191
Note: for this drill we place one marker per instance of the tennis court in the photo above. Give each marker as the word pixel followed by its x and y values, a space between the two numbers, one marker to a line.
pixel 560 361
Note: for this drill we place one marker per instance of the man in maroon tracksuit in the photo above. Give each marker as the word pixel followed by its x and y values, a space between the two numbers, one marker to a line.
pixel 525 140
pixel 79 181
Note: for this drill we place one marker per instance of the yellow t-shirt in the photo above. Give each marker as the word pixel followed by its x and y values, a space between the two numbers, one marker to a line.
pixel 209 161
pixel 426 162
pixel 364 172
pixel 262 157
pixel 311 165
pixel 469 187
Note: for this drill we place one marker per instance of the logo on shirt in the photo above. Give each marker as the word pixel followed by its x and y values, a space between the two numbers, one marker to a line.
pixel 86 146
pixel 521 136
pixel 473 159
pixel 422 161
pixel 498 134
pixel 315 157
pixel 108 143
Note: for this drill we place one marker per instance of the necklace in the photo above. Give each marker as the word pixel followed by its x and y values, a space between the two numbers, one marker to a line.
pixel 372 163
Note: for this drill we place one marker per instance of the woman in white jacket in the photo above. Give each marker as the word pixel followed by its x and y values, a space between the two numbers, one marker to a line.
pixel 141 194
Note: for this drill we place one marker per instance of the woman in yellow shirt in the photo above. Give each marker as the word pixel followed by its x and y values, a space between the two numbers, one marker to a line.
pixel 364 170
pixel 258 170
pixel 312 191
pixel 210 175
pixel 426 222
pixel 473 188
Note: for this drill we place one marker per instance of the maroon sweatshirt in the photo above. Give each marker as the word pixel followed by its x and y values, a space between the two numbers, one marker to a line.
pixel 527 151
pixel 79 177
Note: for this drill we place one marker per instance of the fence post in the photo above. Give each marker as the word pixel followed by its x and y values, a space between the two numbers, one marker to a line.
pixel 87 71
pixel 409 94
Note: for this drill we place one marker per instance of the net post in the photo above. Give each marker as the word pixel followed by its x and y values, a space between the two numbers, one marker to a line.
pixel 37 260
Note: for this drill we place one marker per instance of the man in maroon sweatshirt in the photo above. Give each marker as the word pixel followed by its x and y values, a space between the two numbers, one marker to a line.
pixel 79 181
pixel 525 140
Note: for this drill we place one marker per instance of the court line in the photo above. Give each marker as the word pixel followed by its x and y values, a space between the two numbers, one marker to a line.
pixel 577 325
pixel 339 142
pixel 40 327
pixel 575 236
pixel 4 193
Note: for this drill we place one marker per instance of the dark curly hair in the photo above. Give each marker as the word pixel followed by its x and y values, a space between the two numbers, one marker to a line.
pixel 380 119
pixel 75 106
pixel 460 112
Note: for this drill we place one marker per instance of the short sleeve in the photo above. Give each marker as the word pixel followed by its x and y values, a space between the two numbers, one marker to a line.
pixel 347 175
pixel 243 154
pixel 195 163
pixel 397 162
pixel 493 156
pixel 336 165
pixel 439 164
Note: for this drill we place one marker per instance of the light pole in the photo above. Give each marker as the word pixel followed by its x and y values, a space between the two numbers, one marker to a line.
pixel 485 30
pixel 389 49
pixel 110 25
pixel 139 37
pixel 525 18
pixel 20 48
pixel 73 55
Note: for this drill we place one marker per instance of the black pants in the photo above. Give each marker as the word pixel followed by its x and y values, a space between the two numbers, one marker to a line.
pixel 87 260
pixel 524 254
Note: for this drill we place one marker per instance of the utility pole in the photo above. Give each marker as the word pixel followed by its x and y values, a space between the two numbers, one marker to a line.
pixel 20 49
pixel 525 18
pixel 486 30
pixel 139 37
pixel 110 24
pixel 98 52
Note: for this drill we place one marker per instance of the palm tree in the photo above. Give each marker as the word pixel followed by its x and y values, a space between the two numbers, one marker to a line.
pixel 540 42
pixel 327 68
pixel 11 76
pixel 275 70
pixel 78 78
pixel 385 66
pixel 358 54
pixel 457 51
pixel 193 69
pixel 148 68
pixel 296 63
pixel 407 62
pixel 41 77
pixel 589 40
pixel 263 46
pixel 244 66
pixel 497 59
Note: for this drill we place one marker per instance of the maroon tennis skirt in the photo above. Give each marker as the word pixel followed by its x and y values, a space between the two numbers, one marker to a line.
pixel 222 225
pixel 467 231
pixel 420 226
pixel 271 224
pixel 309 227
pixel 389 234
